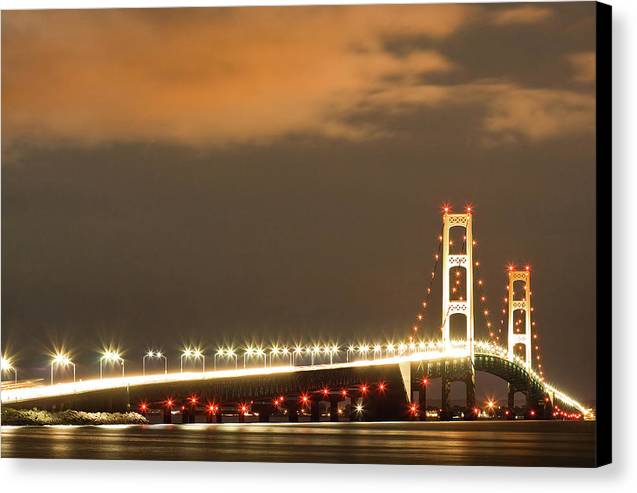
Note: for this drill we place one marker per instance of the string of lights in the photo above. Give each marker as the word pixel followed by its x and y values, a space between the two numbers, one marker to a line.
pixel 420 316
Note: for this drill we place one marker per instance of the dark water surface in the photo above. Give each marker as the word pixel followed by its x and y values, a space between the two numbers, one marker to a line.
pixel 538 443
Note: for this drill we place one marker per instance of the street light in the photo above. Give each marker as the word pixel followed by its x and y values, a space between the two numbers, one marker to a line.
pixel 314 351
pixel 351 349
pixel 185 353
pixel 6 365
pixel 378 350
pixel 60 359
pixel 111 357
pixel 274 350
pixel 219 354
pixel 286 352
pixel 260 352
pixel 231 353
pixel 363 350
pixel 333 352
pixel 248 352
pixel 154 354
pixel 298 352
pixel 195 354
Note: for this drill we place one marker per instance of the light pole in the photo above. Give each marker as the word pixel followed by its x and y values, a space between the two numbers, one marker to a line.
pixel 298 352
pixel 6 366
pixel 273 351
pixel 154 354
pixel 363 350
pixel 390 348
pixel 219 354
pixel 351 349
pixel 333 352
pixel 247 353
pixel 314 351
pixel 230 354
pixel 378 350
pixel 286 352
pixel 60 359
pixel 111 357
pixel 186 353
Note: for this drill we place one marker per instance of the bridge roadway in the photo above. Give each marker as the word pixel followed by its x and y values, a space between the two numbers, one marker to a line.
pixel 399 376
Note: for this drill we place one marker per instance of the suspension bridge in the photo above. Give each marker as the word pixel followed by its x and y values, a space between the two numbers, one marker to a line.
pixel 378 381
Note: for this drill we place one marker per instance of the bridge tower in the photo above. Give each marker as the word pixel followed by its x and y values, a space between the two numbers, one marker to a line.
pixel 514 338
pixel 464 261
pixel 452 306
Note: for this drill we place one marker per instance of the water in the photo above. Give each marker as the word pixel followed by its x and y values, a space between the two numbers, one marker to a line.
pixel 539 443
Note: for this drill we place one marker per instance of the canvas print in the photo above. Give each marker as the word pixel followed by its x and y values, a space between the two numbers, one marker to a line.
pixel 349 234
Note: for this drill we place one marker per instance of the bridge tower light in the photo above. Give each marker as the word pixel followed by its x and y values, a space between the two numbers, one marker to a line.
pixel 514 338
pixel 463 261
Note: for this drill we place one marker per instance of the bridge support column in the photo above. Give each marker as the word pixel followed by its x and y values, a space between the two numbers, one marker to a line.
pixel 422 401
pixel 264 410
pixel 184 416
pixel 168 416
pixel 445 414
pixel 470 383
pixel 354 415
pixel 292 406
pixel 209 417
pixel 219 416
pixel 333 408
pixel 315 408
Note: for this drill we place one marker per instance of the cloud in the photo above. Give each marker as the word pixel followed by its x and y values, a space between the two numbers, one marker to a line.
pixel 522 15
pixel 204 77
pixel 216 77
pixel 583 66
pixel 537 114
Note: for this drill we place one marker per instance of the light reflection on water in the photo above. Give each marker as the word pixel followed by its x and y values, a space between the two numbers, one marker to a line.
pixel 498 443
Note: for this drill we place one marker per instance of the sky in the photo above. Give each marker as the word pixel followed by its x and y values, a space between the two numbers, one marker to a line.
pixel 223 175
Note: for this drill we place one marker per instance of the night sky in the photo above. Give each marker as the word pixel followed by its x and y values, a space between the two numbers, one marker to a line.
pixel 210 176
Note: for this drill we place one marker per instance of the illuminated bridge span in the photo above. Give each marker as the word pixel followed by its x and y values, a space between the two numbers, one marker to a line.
pixel 373 381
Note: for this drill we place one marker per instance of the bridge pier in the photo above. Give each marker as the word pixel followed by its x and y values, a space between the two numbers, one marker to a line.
pixel 219 416
pixel 168 416
pixel 265 411
pixel 470 383
pixel 445 414
pixel 354 415
pixel 292 405
pixel 422 401
pixel 315 408
pixel 334 408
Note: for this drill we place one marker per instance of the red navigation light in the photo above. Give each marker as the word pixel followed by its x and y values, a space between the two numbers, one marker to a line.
pixel 304 398
pixel 325 391
pixel 469 208
pixel 413 409
pixel 511 267
pixel 143 406
pixel 169 403
pixel 363 389
pixel 527 268
pixel 211 408
pixel 476 410
pixel 243 408
pixel 382 386
pixel 425 381
pixel 532 413
pixel 446 208
pixel 506 412
pixel 193 399
pixel 344 392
